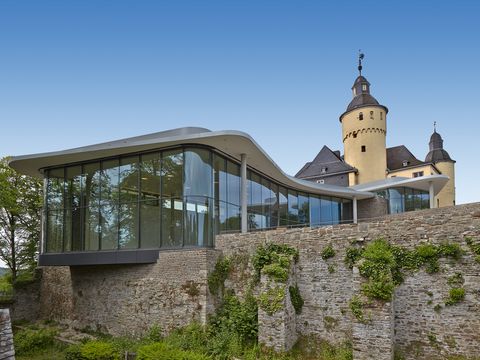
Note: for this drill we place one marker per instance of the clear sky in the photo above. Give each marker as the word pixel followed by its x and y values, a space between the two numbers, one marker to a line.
pixel 74 73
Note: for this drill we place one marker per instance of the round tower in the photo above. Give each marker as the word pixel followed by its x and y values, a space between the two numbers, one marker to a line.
pixel 364 130
pixel 439 157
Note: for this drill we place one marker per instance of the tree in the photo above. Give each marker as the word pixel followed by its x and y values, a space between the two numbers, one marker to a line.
pixel 20 218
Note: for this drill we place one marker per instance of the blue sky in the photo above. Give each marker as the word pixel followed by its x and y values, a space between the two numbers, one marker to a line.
pixel 74 73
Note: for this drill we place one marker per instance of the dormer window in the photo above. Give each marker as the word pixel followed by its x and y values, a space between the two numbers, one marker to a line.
pixel 405 163
pixel 364 87
pixel 360 116
pixel 354 91
pixel 324 170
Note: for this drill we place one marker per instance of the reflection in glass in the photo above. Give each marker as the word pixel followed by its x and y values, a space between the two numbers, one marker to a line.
pixel 292 208
pixel 303 209
pixel 54 231
pixel 150 201
pixel 326 210
pixel 282 206
pixel 109 199
pixel 55 189
pixel 92 178
pixel 315 211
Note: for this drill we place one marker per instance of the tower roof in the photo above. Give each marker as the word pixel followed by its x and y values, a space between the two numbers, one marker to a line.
pixel 437 153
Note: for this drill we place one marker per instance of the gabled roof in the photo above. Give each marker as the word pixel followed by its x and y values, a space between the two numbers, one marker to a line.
pixel 397 155
pixel 326 160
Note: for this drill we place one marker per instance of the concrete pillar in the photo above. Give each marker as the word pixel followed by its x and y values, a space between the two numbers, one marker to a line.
pixel 243 194
pixel 432 195
pixel 355 213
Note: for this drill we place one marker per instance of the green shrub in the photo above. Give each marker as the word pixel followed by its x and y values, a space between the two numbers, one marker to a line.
pixel 451 250
pixel 225 344
pixel 161 351
pixel 426 251
pixel 380 287
pixel 99 350
pixel 273 253
pixel 30 341
pixel 296 298
pixel 191 337
pixel 356 306
pixel 276 272
pixel 455 296
pixel 352 255
pixel 74 352
pixel 328 252
pixel 456 279
pixel 217 277
pixel 154 333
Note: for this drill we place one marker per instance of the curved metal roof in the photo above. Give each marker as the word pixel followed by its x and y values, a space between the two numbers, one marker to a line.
pixel 231 142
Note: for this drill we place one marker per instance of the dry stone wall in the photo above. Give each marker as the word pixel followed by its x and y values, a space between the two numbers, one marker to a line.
pixel 129 299
pixel 7 351
pixel 411 324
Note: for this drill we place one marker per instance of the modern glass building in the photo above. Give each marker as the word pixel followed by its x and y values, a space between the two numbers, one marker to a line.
pixel 123 201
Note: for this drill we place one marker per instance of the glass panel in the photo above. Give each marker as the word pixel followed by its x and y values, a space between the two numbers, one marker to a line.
pixel 92 179
pixel 73 229
pixel 336 210
pixel 54 231
pixel 273 205
pixel 396 200
pixel 292 208
pixel 74 186
pixel 255 217
pixel 233 183
pixel 303 209
pixel 128 231
pixel 314 210
pixel 197 221
pixel 55 189
pixel 198 173
pixel 409 200
pixel 172 173
pixel 150 206
pixel 109 204
pixel 233 220
pixel 282 206
pixel 347 211
pixel 128 179
pixel 150 224
pixel 266 203
pixel 172 222
pixel 325 210
pixel 220 190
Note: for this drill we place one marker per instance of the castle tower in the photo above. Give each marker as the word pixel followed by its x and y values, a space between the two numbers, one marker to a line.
pixel 364 130
pixel 440 158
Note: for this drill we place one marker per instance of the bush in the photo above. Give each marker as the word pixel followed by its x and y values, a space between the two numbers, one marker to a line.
pixel 296 298
pixel 99 350
pixel 30 341
pixel 455 296
pixel 273 253
pixel 328 252
pixel 356 306
pixel 352 255
pixel 162 351
pixel 217 277
pixel 276 272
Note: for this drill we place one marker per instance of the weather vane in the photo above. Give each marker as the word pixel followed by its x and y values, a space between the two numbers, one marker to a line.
pixel 360 58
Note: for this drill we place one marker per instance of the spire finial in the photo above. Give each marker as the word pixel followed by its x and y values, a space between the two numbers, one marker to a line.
pixel 434 126
pixel 360 58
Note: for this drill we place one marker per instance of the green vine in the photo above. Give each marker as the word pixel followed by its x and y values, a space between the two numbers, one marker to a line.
pixel 455 296
pixel 474 247
pixel 296 298
pixel 356 306
pixel 280 255
pixel 217 277
pixel 271 300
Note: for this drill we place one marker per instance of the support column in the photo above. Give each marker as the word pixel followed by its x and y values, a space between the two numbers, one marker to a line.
pixel 355 213
pixel 432 195
pixel 243 194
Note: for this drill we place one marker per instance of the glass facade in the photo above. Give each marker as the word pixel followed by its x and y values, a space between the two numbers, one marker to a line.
pixel 174 198
pixel 401 199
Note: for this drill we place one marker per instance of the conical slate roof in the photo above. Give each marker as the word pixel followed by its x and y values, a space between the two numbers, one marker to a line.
pixel 437 153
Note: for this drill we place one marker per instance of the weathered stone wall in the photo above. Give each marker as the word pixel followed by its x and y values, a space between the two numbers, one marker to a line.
pixel 129 299
pixel 7 351
pixel 372 208
pixel 416 329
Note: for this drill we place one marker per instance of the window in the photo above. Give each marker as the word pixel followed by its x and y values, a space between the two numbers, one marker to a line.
pixel 405 163
pixel 381 115
pixel 371 115
pixel 321 181
pixel 417 174
pixel 354 135
pixel 324 170
pixel 360 116
pixel 364 87
pixel 364 148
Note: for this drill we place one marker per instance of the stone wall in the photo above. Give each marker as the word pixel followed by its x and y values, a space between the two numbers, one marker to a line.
pixel 129 299
pixel 409 323
pixel 372 208
pixel 7 351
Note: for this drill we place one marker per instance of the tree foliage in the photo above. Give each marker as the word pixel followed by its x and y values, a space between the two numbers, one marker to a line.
pixel 20 218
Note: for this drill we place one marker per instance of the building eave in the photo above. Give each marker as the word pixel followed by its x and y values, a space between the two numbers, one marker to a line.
pixel 232 143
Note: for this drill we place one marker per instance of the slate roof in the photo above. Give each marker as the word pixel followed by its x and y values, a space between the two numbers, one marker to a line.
pixel 397 155
pixel 437 153
pixel 325 159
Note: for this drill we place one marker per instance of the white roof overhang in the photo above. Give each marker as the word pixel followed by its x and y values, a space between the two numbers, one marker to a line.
pixel 419 183
pixel 230 142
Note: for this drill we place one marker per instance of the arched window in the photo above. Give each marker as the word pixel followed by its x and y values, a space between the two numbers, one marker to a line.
pixel 360 116
pixel 371 115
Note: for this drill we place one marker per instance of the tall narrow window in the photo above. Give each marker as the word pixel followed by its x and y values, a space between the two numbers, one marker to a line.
pixel 360 116
pixel 371 115
pixel 381 115
pixel 364 148
pixel 364 87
